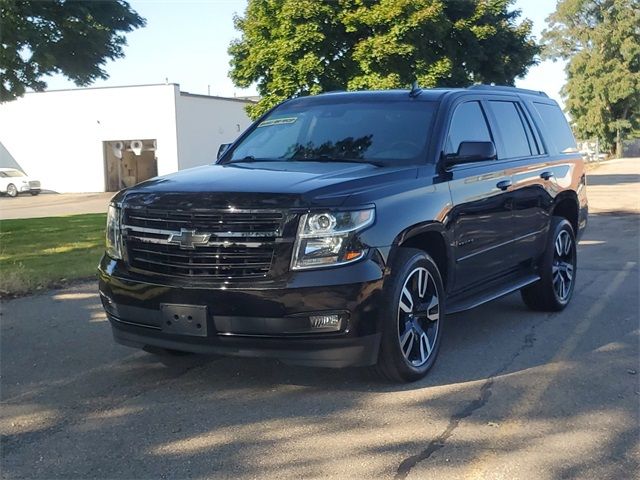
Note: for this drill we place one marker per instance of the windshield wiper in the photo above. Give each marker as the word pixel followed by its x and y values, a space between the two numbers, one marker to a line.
pixel 248 159
pixel 320 158
pixel 326 158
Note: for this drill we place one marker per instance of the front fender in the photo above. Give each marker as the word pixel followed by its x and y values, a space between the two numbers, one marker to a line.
pixel 406 212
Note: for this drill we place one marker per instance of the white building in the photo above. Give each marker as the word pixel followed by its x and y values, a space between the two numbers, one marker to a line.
pixel 105 139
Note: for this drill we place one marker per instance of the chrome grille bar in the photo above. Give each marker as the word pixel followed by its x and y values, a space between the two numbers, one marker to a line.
pixel 239 243
pixel 160 231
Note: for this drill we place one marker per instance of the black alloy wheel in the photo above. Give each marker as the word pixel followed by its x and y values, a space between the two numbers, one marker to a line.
pixel 418 317
pixel 557 270
pixel 563 265
pixel 412 317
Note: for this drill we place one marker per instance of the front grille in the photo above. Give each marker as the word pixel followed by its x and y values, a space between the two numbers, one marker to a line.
pixel 223 244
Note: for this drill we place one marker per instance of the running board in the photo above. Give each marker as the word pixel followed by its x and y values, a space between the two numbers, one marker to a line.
pixel 467 303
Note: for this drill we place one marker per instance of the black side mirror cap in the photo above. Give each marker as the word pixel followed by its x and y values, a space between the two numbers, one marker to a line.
pixel 222 149
pixel 469 152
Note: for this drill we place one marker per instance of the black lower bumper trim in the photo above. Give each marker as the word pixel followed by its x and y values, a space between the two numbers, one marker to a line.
pixel 334 353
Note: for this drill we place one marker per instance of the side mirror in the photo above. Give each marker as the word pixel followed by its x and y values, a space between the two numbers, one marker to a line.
pixel 223 148
pixel 471 152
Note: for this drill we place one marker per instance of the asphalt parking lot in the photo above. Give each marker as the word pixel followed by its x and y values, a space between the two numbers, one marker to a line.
pixel 514 395
pixel 53 204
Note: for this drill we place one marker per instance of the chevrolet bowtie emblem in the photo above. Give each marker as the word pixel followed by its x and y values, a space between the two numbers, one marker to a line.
pixel 189 239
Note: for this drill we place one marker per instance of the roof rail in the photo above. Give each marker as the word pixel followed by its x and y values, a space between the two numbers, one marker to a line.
pixel 506 88
pixel 332 91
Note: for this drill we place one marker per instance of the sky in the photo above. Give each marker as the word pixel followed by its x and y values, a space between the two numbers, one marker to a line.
pixel 186 41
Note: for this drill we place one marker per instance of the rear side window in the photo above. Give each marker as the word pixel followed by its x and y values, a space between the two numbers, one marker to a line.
pixel 512 130
pixel 557 127
pixel 467 125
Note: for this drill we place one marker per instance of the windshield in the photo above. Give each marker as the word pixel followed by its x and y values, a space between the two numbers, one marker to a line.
pixel 13 173
pixel 383 132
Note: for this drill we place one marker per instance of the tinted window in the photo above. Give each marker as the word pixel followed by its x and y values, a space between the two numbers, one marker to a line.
pixel 322 130
pixel 467 125
pixel 270 140
pixel 557 127
pixel 512 131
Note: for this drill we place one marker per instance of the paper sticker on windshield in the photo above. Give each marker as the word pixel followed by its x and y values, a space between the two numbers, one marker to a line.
pixel 277 121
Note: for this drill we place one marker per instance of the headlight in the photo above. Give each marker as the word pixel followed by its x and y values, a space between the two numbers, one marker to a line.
pixel 323 238
pixel 113 234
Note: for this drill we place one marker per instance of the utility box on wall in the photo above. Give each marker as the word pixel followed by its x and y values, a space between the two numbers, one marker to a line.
pixel 68 138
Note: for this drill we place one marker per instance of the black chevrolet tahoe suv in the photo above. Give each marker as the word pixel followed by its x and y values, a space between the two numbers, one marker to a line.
pixel 339 229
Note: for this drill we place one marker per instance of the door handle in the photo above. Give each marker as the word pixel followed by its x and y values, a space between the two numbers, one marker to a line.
pixel 546 175
pixel 504 184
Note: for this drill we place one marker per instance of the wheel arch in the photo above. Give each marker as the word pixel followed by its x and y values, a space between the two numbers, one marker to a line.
pixel 431 238
pixel 566 205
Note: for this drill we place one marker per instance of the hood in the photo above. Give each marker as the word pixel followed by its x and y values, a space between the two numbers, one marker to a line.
pixel 266 184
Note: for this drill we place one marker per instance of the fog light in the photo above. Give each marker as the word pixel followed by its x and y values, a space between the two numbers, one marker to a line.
pixel 329 322
pixel 108 304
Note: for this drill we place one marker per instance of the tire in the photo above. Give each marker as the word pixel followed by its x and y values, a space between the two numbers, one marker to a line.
pixel 557 269
pixel 413 308
pixel 12 191
pixel 34 193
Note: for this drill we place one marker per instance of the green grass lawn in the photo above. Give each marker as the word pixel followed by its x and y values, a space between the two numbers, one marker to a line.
pixel 44 252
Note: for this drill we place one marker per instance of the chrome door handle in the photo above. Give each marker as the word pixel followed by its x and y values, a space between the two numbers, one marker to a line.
pixel 546 175
pixel 504 184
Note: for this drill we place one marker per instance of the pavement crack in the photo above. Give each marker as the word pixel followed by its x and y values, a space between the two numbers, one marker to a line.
pixel 439 442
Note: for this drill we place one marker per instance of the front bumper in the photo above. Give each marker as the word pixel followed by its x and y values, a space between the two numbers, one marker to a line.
pixel 255 320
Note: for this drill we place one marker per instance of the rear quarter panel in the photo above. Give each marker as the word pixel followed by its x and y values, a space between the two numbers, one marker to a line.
pixel 570 180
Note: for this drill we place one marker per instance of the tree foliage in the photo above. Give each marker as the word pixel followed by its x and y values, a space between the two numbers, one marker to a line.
pixel 39 38
pixel 302 47
pixel 601 41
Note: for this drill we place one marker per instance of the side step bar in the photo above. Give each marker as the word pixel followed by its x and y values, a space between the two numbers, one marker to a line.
pixel 467 303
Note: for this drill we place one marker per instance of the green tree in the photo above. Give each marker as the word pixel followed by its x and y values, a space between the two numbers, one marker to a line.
pixel 601 41
pixel 303 47
pixel 74 38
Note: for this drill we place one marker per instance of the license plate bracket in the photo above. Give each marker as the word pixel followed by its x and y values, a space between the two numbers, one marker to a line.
pixel 184 319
